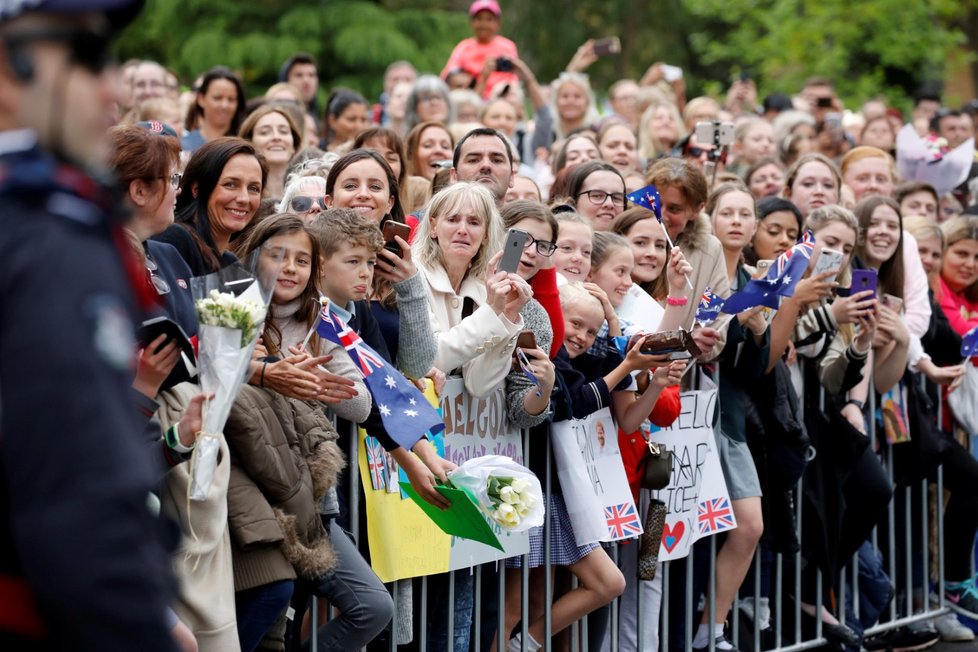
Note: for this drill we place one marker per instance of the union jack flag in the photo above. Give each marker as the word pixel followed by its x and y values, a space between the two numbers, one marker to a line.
pixel 623 521
pixel 376 462
pixel 406 413
pixel 714 515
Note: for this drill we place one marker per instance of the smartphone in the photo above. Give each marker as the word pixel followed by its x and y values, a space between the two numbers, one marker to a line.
pixel 512 251
pixel 862 280
pixel 893 303
pixel 824 102
pixel 605 46
pixel 504 64
pixel 763 267
pixel 391 229
pixel 526 340
pixel 671 73
pixel 719 133
pixel 828 259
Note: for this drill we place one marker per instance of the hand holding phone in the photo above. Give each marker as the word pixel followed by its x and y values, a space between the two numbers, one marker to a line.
pixel 862 280
pixel 392 229
pixel 828 260
pixel 512 251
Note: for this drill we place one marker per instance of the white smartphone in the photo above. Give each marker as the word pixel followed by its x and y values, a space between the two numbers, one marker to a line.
pixel 672 73
pixel 719 133
pixel 828 260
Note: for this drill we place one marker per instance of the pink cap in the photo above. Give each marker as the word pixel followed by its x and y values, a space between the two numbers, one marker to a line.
pixel 484 5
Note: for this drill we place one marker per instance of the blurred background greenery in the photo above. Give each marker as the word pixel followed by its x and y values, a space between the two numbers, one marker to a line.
pixel 868 47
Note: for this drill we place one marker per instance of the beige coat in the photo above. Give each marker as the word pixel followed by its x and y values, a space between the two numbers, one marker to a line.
pixel 482 345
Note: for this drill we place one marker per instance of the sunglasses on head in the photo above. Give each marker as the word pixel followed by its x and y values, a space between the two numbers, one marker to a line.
pixel 304 204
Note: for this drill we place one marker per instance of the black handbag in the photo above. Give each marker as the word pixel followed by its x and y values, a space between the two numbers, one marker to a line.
pixel 658 467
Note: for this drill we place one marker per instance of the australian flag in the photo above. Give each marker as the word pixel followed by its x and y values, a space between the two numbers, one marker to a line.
pixel 780 281
pixel 406 413
pixel 648 197
pixel 969 343
pixel 709 308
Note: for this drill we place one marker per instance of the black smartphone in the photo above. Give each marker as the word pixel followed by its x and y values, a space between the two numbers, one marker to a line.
pixel 504 64
pixel 824 102
pixel 391 229
pixel 605 46
pixel 512 251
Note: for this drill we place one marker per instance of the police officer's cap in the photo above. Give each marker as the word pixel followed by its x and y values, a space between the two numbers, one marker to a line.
pixel 119 12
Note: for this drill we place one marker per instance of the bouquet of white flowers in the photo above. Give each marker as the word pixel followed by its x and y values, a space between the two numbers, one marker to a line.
pixel 231 305
pixel 507 492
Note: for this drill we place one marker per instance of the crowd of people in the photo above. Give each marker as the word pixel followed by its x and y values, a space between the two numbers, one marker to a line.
pixel 849 370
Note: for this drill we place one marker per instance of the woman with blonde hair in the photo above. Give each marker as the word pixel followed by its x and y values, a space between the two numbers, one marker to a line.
pixel 660 128
pixel 573 103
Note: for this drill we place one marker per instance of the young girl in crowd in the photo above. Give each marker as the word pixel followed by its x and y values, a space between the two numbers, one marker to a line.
pixel 683 192
pixel 217 109
pixel 263 586
pixel 574 244
pixel 345 117
pixel 813 181
pixel 598 190
pixel 276 136
pixel 744 360
pixel 846 509
pixel 584 386
pixel 957 289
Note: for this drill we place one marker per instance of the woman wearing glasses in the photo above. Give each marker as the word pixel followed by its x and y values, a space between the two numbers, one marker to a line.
pixel 275 135
pixel 146 163
pixel 428 102
pixel 598 190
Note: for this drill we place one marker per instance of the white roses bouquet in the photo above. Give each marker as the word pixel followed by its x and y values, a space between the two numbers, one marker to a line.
pixel 231 305
pixel 228 311
pixel 507 492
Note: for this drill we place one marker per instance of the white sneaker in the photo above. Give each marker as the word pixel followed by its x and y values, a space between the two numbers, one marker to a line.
pixel 951 629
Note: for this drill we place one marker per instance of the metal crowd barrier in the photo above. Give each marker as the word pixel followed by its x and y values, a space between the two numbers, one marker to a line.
pixel 901 611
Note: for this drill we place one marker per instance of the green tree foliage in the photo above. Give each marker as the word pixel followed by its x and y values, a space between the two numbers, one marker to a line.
pixel 353 40
pixel 867 47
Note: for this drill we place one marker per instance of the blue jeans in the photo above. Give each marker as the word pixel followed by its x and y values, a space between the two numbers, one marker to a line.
pixel 257 610
pixel 354 589
pixel 874 590
pixel 437 615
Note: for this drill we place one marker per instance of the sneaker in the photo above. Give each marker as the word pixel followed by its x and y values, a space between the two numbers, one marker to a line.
pixel 962 597
pixel 720 643
pixel 902 639
pixel 951 629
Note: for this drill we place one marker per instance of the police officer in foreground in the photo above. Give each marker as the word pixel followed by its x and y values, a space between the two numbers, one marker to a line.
pixel 82 560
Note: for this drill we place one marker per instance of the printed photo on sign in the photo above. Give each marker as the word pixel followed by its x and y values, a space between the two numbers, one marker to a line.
pixel 592 478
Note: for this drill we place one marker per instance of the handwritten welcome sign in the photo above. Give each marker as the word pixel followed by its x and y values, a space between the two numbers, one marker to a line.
pixel 696 497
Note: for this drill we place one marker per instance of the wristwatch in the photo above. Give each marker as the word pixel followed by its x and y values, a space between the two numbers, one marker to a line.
pixel 859 404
